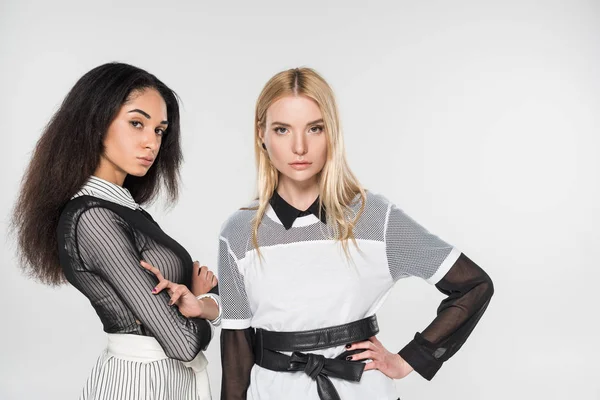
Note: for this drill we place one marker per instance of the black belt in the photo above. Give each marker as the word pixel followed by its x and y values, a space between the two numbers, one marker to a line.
pixel 268 344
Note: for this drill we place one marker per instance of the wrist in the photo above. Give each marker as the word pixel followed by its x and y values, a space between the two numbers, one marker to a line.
pixel 210 307
pixel 405 365
pixel 420 359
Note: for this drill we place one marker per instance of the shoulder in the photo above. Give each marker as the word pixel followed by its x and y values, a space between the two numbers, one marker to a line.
pixel 240 221
pixel 372 211
pixel 88 225
pixel 87 212
pixel 236 231
pixel 377 201
pixel 379 214
pixel 379 204
pixel 376 207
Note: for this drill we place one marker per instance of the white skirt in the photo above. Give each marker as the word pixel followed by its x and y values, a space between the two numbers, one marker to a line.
pixel 135 367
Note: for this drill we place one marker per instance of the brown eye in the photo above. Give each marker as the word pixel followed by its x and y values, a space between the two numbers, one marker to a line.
pixel 159 131
pixel 137 124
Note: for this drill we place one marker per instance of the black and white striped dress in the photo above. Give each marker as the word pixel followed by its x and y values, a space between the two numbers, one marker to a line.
pixel 153 351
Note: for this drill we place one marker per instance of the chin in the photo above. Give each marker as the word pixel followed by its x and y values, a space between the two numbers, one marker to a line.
pixel 139 172
pixel 300 176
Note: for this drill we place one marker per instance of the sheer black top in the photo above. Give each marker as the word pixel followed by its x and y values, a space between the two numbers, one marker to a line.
pixel 101 244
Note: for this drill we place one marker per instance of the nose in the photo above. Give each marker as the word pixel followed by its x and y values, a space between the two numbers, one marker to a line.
pixel 299 145
pixel 151 140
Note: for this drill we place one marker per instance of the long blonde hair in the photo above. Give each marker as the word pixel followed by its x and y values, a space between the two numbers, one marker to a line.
pixel 338 185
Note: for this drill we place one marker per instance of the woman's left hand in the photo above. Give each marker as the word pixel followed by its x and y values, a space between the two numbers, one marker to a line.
pixel 391 364
pixel 188 304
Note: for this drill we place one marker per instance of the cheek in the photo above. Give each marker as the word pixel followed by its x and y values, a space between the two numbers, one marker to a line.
pixel 322 150
pixel 277 152
pixel 119 145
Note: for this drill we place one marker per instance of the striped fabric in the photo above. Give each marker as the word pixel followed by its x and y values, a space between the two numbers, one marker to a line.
pixel 102 189
pixel 102 235
pixel 166 379
pixel 140 360
pixel 107 191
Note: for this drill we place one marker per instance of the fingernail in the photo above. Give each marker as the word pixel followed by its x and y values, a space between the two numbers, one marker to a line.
pixel 348 358
pixel 154 290
pixel 349 345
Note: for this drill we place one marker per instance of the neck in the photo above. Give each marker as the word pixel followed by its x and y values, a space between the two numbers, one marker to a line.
pixel 110 172
pixel 300 195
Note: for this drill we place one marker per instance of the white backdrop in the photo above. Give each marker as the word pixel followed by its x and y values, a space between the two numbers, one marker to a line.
pixel 480 119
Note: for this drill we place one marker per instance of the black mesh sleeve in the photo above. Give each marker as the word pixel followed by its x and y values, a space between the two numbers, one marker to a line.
pixel 237 359
pixel 469 290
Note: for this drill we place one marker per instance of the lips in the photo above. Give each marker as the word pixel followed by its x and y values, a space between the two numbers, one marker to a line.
pixel 300 165
pixel 147 161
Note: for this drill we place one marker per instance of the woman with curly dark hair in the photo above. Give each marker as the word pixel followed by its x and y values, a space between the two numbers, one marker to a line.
pixel 110 147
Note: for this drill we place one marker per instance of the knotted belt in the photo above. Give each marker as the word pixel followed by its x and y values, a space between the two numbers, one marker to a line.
pixel 268 344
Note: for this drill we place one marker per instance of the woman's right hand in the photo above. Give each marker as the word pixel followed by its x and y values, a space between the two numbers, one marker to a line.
pixel 203 279
pixel 186 301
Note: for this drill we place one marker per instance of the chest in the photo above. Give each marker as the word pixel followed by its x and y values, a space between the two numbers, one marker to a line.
pixel 159 249
pixel 315 283
pixel 172 266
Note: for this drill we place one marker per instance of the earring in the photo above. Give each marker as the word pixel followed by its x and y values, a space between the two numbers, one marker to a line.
pixel 263 146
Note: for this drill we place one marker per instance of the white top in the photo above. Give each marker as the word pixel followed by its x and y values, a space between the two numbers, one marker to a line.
pixel 305 282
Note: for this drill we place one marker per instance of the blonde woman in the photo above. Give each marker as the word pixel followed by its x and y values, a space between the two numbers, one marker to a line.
pixel 304 269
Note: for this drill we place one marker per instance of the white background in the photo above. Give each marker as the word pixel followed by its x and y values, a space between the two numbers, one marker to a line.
pixel 480 119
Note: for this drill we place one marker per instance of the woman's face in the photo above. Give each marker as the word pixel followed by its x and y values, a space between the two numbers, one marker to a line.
pixel 295 139
pixel 134 136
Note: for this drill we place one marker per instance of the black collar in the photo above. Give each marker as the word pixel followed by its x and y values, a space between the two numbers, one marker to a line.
pixel 287 213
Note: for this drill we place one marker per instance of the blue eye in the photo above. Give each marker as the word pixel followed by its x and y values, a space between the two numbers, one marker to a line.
pixel 280 130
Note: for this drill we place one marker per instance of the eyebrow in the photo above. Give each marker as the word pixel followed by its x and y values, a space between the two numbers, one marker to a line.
pixel 317 121
pixel 145 114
